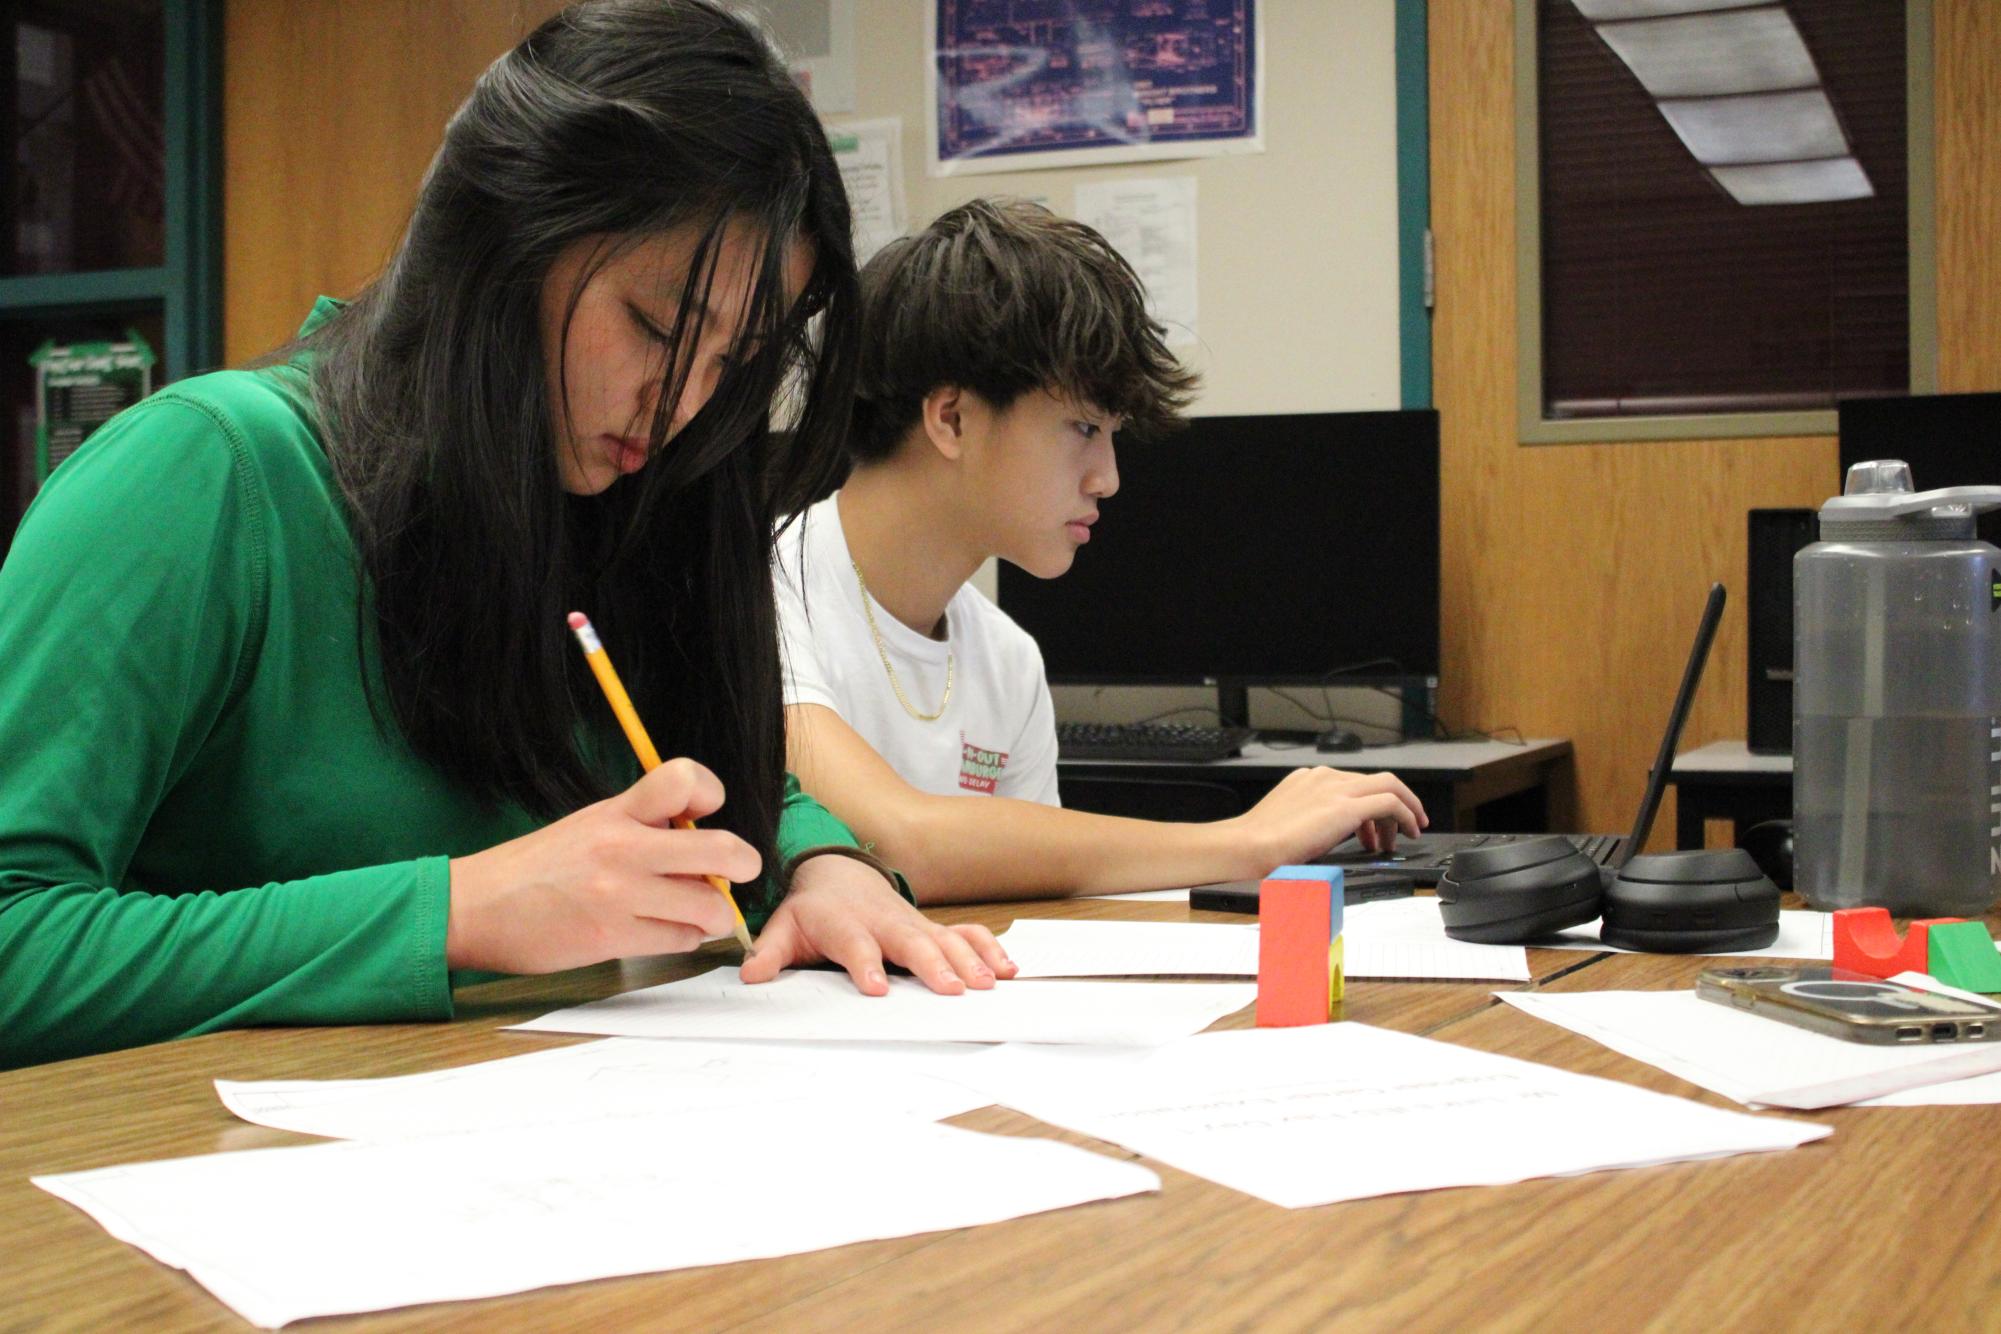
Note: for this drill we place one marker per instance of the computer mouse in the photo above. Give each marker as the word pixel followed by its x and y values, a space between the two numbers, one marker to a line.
pixel 1337 739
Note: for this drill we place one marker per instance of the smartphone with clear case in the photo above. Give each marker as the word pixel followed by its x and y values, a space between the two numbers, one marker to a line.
pixel 1852 1006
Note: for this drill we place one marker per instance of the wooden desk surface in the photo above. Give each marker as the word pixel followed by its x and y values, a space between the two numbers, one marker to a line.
pixel 1893 1220
pixel 1730 759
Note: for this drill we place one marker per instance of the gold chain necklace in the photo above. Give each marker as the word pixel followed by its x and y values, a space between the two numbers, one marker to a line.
pixel 883 653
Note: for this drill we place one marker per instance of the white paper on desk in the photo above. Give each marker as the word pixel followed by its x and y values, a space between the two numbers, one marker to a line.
pixel 1746 1057
pixel 1145 896
pixel 1044 947
pixel 1974 1090
pixel 1405 934
pixel 823 1006
pixel 1802 934
pixel 332 1229
pixel 1308 1116
pixel 615 1077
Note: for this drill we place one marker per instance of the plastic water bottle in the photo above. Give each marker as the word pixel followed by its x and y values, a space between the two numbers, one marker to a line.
pixel 1897 700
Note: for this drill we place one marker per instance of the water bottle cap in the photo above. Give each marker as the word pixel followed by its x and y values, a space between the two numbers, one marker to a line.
pixel 1880 490
pixel 1878 477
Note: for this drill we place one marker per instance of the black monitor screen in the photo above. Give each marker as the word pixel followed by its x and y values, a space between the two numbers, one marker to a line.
pixel 1260 549
pixel 1948 439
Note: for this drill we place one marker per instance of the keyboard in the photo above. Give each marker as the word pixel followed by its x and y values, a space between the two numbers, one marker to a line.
pixel 1598 847
pixel 1178 743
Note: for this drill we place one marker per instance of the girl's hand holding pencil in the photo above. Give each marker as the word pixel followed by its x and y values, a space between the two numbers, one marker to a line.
pixel 642 744
pixel 610 881
pixel 632 875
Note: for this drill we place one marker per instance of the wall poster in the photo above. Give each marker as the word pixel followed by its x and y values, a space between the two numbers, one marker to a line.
pixel 1019 85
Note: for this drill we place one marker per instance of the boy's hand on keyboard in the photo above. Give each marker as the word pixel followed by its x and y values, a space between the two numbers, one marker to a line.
pixel 1313 809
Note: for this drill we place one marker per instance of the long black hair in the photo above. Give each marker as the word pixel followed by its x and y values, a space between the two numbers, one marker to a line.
pixel 620 120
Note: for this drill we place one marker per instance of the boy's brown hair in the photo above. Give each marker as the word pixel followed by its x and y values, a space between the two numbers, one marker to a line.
pixel 1003 297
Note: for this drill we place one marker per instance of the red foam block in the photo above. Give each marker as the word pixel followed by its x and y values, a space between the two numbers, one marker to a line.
pixel 1295 924
pixel 1866 942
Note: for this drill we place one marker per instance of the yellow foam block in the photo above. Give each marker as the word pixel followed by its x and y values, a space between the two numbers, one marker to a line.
pixel 1335 978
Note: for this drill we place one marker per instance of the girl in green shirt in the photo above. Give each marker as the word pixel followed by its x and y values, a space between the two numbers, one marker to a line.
pixel 291 724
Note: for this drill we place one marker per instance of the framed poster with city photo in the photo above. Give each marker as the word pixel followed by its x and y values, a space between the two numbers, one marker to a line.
pixel 1024 87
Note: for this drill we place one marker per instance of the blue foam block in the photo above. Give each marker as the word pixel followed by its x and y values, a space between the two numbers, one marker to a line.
pixel 1336 880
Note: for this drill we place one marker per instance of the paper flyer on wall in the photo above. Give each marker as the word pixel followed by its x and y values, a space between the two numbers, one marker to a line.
pixel 1152 223
pixel 870 156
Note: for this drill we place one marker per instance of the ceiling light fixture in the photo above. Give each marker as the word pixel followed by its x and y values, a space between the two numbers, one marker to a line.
pixel 1736 83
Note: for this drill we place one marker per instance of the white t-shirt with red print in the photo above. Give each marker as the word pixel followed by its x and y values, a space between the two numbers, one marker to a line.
pixel 997 735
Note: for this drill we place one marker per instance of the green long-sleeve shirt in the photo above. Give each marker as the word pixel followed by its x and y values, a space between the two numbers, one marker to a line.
pixel 201 824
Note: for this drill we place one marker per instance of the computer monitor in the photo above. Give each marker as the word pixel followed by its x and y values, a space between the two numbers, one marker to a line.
pixel 1272 550
pixel 1948 439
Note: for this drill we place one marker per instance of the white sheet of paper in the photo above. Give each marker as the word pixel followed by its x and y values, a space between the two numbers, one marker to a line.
pixel 1043 947
pixel 1802 934
pixel 615 1077
pixel 1308 1116
pixel 1407 933
pixel 331 1229
pixel 1974 1090
pixel 1754 1060
pixel 1411 921
pixel 1146 896
pixel 824 1006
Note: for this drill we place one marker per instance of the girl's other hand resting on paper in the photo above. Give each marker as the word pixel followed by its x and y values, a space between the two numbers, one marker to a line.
pixel 843 911
pixel 607 882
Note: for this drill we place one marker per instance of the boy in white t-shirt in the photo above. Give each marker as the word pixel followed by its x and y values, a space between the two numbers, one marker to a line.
pixel 1002 349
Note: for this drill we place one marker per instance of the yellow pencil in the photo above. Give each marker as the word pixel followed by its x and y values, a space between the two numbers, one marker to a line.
pixel 642 745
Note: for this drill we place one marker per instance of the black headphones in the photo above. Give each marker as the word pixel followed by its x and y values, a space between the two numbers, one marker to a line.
pixel 1692 902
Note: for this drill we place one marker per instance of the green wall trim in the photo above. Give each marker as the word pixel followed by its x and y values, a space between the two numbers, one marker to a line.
pixel 1413 62
pixel 193 314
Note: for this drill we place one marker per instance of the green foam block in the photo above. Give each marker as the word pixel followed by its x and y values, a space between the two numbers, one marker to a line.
pixel 1963 956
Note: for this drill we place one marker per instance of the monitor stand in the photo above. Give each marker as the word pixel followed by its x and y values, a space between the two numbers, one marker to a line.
pixel 1418 696
pixel 1233 703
